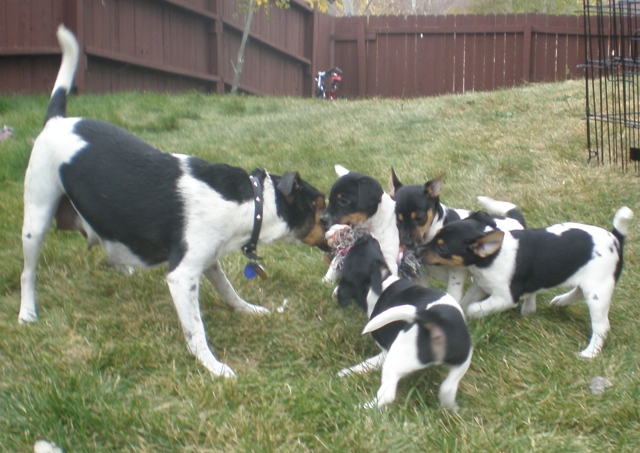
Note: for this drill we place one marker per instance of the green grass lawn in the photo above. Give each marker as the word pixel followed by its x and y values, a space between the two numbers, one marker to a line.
pixel 106 368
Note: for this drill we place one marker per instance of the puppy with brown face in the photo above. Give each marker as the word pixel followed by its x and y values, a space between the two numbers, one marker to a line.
pixel 420 214
pixel 510 265
pixel 358 199
pixel 146 208
pixel 415 327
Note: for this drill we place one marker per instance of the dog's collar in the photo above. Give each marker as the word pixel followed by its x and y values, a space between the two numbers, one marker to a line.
pixel 249 249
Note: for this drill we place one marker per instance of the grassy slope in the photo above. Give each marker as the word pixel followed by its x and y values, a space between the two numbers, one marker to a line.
pixel 106 367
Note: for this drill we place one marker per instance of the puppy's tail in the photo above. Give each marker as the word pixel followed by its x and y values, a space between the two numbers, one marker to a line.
pixel 406 313
pixel 620 228
pixel 503 208
pixel 64 81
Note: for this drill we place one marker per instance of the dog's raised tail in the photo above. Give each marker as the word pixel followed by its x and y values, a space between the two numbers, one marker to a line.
pixel 620 228
pixel 64 81
pixel 621 222
pixel 503 208
pixel 406 313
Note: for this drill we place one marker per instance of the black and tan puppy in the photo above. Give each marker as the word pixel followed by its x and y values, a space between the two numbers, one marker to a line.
pixel 420 215
pixel 358 199
pixel 509 265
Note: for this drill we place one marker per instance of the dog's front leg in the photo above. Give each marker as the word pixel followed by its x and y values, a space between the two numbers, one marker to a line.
pixel 219 280
pixel 455 282
pixel 370 364
pixel 492 304
pixel 529 305
pixel 475 293
pixel 184 286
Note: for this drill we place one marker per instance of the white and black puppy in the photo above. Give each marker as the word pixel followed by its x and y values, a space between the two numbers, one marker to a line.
pixel 420 215
pixel 146 207
pixel 415 327
pixel 358 199
pixel 509 265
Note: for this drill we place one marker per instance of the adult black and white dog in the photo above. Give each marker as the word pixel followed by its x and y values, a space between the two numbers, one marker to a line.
pixel 415 327
pixel 358 199
pixel 509 265
pixel 420 215
pixel 145 207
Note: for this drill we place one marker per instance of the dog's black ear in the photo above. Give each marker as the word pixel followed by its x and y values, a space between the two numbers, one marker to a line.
pixel 433 188
pixel 484 218
pixel 488 244
pixel 289 182
pixel 376 277
pixel 369 194
pixel 394 183
pixel 345 294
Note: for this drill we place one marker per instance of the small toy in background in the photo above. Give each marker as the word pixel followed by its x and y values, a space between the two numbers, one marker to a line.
pixel 7 132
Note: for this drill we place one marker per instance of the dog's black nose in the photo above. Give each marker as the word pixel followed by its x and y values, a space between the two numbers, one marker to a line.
pixel 325 221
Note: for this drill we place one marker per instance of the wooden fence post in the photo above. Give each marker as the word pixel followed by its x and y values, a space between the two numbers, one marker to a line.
pixel 526 52
pixel 362 60
pixel 73 18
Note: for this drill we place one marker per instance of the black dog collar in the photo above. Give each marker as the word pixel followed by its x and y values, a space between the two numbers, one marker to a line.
pixel 249 249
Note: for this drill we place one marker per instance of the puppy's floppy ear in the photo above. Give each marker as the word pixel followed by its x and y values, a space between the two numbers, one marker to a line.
pixel 488 244
pixel 484 218
pixel 346 292
pixel 375 273
pixel 433 188
pixel 369 193
pixel 394 183
pixel 289 182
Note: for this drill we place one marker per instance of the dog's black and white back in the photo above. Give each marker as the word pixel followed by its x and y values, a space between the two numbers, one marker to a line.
pixel 420 215
pixel 146 207
pixel 357 199
pixel 414 326
pixel 509 265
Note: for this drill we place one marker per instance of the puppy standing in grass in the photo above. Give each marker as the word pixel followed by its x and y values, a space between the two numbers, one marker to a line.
pixel 509 265
pixel 146 207
pixel 415 327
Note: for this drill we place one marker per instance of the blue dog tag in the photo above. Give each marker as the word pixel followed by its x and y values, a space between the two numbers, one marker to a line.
pixel 252 269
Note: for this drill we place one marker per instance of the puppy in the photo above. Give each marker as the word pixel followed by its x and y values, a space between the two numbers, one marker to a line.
pixel 509 265
pixel 145 207
pixel 415 327
pixel 419 215
pixel 357 199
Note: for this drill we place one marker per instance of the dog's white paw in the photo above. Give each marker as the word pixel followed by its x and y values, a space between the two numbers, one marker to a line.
pixel 224 371
pixel 329 279
pixel 474 311
pixel 589 353
pixel 371 404
pixel 42 446
pixel 528 308
pixel 256 310
pixel 27 317
pixel 344 372
pixel 560 301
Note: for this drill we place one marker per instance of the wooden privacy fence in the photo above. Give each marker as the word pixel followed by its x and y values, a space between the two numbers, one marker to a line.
pixel 156 45
pixel 432 55
pixel 178 45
